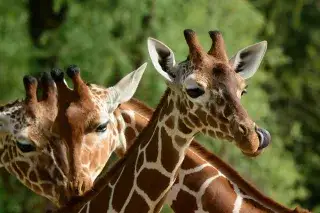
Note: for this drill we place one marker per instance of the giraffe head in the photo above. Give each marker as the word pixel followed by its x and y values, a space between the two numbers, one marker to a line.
pixel 56 144
pixel 86 127
pixel 208 87
pixel 25 136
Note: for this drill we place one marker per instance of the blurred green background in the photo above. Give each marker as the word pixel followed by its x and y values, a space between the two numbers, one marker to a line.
pixel 107 39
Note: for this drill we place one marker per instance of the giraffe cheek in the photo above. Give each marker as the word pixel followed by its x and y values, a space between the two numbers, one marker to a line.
pixel 97 161
pixel 90 140
pixel 85 159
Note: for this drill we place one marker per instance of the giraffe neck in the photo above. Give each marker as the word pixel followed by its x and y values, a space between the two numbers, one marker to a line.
pixel 204 181
pixel 153 162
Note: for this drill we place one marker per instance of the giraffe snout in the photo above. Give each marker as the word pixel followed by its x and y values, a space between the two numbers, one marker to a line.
pixel 264 139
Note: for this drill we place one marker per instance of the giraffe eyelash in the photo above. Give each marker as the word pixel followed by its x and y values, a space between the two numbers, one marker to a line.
pixel 102 127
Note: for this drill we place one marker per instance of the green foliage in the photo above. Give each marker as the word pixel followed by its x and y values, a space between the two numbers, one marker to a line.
pixel 14 42
pixel 294 98
pixel 107 39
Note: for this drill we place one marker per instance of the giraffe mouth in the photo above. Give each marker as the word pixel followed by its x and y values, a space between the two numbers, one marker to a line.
pixel 264 138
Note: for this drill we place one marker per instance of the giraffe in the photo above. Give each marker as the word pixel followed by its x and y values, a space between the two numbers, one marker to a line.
pixel 30 145
pixel 203 95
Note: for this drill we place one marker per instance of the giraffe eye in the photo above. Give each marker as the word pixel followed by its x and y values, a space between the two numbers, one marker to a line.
pixel 195 92
pixel 25 146
pixel 102 127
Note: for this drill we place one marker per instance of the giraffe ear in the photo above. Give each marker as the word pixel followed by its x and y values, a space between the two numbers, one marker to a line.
pixel 127 86
pixel 246 62
pixel 162 58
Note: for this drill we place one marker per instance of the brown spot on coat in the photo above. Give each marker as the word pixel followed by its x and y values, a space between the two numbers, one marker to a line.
pixel 33 177
pixel 202 115
pixel 21 167
pixel 214 200
pixel 130 133
pixel 180 141
pixel 184 199
pixel 124 184
pixel 195 120
pixel 183 128
pixel 212 122
pixel 223 128
pixel 155 186
pixel 126 118
pixel 170 123
pixel 136 202
pixel 169 155
pixel 220 135
pixel 196 179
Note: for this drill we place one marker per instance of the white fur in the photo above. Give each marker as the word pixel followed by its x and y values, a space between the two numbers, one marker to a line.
pixel 239 199
pixel 191 83
pixel 153 47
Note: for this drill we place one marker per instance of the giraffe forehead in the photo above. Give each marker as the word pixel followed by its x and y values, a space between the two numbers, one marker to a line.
pixel 97 91
pixel 37 134
pixel 101 97
pixel 182 70
pixel 209 71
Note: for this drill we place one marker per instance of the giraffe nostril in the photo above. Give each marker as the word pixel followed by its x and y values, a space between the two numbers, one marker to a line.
pixel 243 129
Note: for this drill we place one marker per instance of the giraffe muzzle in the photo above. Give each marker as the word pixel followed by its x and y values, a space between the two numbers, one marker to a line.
pixel 264 138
